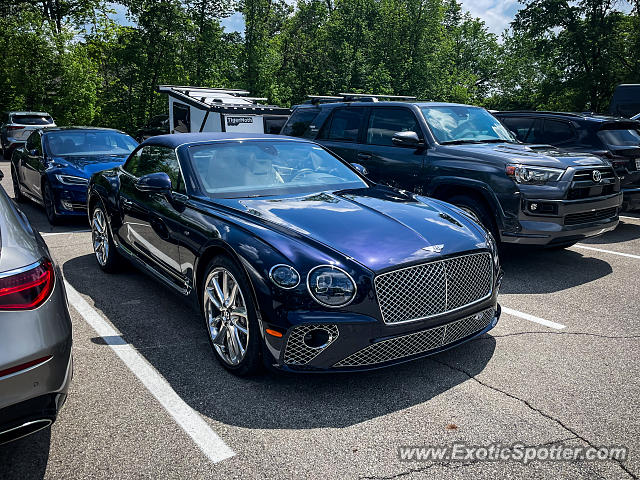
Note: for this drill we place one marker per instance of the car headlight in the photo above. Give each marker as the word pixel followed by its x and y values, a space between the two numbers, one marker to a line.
pixel 71 180
pixel 331 286
pixel 533 175
pixel 284 276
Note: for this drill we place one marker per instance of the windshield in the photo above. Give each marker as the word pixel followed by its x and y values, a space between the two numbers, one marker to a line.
pixel 260 168
pixel 462 124
pixel 32 119
pixel 620 138
pixel 89 142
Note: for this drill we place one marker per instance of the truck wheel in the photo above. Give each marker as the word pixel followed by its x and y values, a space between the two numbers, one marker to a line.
pixel 477 209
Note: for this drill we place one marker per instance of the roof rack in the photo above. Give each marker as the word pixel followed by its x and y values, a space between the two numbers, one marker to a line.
pixel 354 97
pixel 220 99
pixel 545 112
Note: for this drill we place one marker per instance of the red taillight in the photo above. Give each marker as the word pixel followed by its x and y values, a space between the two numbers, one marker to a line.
pixel 13 127
pixel 25 366
pixel 28 289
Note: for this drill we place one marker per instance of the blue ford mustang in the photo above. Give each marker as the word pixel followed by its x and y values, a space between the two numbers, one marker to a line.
pixel 294 258
pixel 54 166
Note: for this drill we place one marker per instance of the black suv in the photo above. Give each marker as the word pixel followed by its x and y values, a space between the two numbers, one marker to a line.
pixel 462 154
pixel 612 138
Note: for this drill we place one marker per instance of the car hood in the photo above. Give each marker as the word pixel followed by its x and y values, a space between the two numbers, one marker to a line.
pixel 85 166
pixel 536 155
pixel 377 227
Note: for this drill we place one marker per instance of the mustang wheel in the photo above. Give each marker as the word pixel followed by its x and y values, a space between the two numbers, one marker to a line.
pixel 49 204
pixel 106 254
pixel 17 194
pixel 230 317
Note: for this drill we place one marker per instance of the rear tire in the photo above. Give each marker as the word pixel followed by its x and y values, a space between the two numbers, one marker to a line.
pixel 233 330
pixel 104 249
pixel 477 209
pixel 49 204
pixel 17 194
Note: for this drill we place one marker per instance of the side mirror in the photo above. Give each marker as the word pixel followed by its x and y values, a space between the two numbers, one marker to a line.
pixel 154 182
pixel 361 168
pixel 406 139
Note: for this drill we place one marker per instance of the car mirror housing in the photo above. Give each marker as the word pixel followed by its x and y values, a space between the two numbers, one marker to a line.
pixel 406 139
pixel 360 168
pixel 154 182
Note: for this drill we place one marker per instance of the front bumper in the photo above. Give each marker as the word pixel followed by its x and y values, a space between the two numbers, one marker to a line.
pixel 38 392
pixel 360 343
pixel 571 220
pixel 70 200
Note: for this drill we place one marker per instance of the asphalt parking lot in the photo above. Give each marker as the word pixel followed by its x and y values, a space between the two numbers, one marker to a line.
pixel 149 400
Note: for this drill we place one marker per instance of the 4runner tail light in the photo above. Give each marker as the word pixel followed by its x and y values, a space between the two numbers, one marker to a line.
pixel 13 127
pixel 26 288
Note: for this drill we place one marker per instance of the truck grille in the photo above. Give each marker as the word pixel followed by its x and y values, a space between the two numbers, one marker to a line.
pixel 430 289
pixel 419 342
pixel 586 217
pixel 583 185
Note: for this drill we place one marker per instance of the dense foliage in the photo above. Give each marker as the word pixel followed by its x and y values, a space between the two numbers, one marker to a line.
pixel 69 57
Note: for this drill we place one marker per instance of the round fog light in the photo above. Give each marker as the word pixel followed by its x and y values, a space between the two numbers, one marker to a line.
pixel 317 338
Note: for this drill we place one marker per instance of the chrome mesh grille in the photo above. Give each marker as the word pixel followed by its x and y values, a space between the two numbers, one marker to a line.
pixel 418 342
pixel 297 352
pixel 434 288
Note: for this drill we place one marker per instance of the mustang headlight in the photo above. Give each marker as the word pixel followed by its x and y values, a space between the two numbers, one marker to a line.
pixel 533 175
pixel 71 180
pixel 331 286
pixel 284 276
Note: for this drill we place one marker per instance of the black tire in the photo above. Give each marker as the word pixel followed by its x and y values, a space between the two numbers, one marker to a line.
pixel 6 152
pixel 17 194
pixel 251 363
pixel 113 261
pixel 478 209
pixel 49 204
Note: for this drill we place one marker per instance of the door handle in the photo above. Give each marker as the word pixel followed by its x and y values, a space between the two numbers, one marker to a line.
pixel 364 156
pixel 126 203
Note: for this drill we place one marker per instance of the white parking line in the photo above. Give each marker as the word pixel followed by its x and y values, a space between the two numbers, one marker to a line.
pixel 208 441
pixel 47 234
pixel 531 318
pixel 629 218
pixel 630 255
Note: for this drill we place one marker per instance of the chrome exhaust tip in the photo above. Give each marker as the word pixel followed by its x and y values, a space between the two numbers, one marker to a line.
pixel 23 430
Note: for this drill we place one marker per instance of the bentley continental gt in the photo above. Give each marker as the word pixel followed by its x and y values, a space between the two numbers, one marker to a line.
pixel 294 259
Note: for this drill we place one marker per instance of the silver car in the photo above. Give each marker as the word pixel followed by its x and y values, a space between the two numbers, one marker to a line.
pixel 35 329
pixel 17 126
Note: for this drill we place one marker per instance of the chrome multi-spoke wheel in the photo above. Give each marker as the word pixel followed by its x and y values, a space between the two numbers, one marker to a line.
pixel 106 253
pixel 100 237
pixel 225 311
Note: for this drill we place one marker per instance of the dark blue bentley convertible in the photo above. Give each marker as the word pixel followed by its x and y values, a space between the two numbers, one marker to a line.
pixel 54 166
pixel 295 259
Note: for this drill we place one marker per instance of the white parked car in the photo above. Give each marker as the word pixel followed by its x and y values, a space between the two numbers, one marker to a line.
pixel 17 126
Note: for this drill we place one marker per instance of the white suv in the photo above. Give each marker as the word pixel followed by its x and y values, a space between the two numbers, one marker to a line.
pixel 17 126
